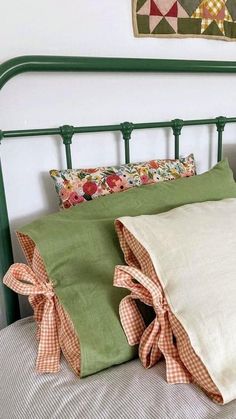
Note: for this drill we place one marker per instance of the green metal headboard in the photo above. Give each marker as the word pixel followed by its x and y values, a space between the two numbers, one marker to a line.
pixel 18 65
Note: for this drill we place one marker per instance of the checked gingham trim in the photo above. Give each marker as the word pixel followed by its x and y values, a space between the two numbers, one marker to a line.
pixel 55 331
pixel 182 363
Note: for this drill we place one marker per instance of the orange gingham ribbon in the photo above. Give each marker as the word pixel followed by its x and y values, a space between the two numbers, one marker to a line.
pixel 21 279
pixel 157 338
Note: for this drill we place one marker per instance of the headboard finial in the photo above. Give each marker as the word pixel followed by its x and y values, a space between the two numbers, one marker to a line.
pixel 67 132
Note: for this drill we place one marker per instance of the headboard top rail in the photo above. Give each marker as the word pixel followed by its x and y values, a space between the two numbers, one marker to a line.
pixel 27 63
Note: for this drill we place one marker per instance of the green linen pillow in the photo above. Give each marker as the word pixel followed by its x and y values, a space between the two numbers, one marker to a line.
pixel 80 249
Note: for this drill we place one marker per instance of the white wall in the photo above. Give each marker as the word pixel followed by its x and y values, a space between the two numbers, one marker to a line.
pixel 104 28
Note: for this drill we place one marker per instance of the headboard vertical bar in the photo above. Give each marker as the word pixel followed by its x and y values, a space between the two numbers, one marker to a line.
pixel 220 124
pixel 126 129
pixel 177 125
pixel 67 132
pixel 12 308
pixel 127 152
pixel 176 146
pixel 68 156
pixel 220 143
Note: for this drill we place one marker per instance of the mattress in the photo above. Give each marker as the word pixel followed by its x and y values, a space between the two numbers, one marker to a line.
pixel 125 391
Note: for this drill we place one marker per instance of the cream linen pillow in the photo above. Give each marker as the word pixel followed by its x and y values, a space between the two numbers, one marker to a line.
pixel 193 251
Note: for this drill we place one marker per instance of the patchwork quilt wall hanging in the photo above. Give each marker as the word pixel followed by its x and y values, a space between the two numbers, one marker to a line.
pixel 213 19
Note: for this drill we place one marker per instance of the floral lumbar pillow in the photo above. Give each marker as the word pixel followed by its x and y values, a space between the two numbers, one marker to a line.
pixel 78 185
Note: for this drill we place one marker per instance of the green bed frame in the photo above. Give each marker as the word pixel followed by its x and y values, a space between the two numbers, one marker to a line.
pixel 18 65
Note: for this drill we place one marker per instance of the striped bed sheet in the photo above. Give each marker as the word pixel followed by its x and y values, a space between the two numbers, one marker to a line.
pixel 125 391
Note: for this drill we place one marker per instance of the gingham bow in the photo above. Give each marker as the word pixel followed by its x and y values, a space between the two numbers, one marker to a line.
pixel 21 279
pixel 157 338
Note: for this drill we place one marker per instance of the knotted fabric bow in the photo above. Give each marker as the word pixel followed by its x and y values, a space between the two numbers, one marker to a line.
pixel 47 310
pixel 157 338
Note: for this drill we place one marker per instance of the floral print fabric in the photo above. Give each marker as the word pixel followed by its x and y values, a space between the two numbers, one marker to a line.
pixel 79 185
